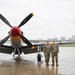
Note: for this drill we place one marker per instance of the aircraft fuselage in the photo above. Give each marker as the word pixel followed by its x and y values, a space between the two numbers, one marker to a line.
pixel 15 38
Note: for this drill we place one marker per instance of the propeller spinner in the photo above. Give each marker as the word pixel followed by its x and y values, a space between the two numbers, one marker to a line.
pixel 15 31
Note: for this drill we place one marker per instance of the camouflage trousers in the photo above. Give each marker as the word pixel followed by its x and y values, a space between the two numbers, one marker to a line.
pixel 47 56
pixel 54 57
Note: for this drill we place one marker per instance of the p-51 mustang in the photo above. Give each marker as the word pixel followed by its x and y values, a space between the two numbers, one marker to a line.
pixel 16 36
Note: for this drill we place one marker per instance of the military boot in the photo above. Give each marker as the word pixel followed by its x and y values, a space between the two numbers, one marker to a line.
pixel 52 64
pixel 47 64
pixel 57 64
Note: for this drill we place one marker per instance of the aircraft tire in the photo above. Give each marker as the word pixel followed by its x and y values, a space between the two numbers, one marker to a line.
pixel 39 57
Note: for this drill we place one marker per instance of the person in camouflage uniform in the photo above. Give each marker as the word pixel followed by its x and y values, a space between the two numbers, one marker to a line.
pixel 47 53
pixel 54 52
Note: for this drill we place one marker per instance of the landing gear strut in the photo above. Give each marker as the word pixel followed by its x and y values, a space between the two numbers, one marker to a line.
pixel 16 51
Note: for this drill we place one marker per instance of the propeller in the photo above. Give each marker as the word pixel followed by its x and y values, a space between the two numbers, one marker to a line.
pixel 4 40
pixel 26 19
pixel 21 24
pixel 5 20
pixel 25 40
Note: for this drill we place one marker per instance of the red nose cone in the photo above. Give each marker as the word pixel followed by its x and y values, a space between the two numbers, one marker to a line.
pixel 15 31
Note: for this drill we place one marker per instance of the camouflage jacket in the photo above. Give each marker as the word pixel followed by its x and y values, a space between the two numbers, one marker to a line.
pixel 54 48
pixel 47 48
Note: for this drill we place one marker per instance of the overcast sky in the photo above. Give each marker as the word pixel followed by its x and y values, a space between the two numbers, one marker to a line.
pixel 52 18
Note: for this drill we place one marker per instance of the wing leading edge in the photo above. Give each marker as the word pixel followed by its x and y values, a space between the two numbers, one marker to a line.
pixel 28 50
pixel 6 49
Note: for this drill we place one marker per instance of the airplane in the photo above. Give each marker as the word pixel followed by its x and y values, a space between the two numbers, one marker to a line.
pixel 16 37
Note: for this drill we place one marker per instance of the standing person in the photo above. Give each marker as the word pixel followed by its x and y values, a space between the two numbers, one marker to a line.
pixel 55 51
pixel 47 53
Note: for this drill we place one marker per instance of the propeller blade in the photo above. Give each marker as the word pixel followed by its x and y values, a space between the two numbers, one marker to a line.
pixel 4 40
pixel 26 19
pixel 26 41
pixel 5 20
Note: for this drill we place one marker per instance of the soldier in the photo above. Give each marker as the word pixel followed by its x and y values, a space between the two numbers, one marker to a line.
pixel 47 53
pixel 55 51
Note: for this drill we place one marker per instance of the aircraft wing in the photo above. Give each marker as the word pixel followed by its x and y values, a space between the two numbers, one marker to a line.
pixel 6 49
pixel 9 49
pixel 28 50
pixel 64 43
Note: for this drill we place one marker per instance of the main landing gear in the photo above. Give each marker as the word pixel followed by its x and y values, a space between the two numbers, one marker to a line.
pixel 39 55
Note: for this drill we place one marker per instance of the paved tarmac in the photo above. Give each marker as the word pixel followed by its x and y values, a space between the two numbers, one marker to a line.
pixel 27 64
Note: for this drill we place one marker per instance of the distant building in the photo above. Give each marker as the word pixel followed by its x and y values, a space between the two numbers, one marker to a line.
pixel 72 38
pixel 55 39
pixel 63 38
pixel 49 39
